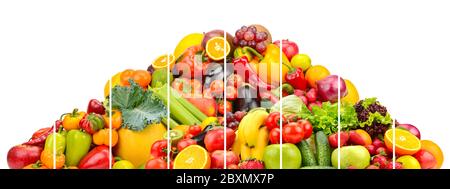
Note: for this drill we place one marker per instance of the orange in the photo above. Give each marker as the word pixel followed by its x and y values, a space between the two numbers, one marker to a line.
pixel 405 142
pixel 164 60
pixel 316 73
pixel 434 149
pixel 352 96
pixel 192 157
pixel 125 77
pixel 217 48
pixel 115 81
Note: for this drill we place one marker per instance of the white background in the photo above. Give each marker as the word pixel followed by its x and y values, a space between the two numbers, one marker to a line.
pixel 56 55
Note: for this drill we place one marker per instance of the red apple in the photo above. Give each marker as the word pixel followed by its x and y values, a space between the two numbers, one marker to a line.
pixel 377 143
pixel 217 158
pixel 290 48
pixel 359 137
pixel 426 159
pixel 411 128
pixel 22 155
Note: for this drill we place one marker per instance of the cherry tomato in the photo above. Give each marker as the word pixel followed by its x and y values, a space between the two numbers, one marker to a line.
pixel 231 93
pixel 307 128
pixel 216 87
pixel 195 130
pixel 235 80
pixel 157 163
pixel 273 120
pixel 159 149
pixel 293 133
pixel 274 136
pixel 182 144
pixel 221 107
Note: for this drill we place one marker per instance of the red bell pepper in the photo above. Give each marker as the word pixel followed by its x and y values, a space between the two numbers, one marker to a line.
pixel 97 158
pixel 95 106
pixel 296 78
pixel 250 75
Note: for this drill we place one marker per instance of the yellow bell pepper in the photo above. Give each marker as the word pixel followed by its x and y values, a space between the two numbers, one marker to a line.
pixel 135 146
pixel 115 81
pixel 269 66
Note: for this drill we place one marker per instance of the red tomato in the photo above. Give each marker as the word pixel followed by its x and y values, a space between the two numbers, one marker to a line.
pixel 159 149
pixel 274 136
pixel 293 133
pixel 231 93
pixel 307 127
pixel 182 144
pixel 221 107
pixel 214 139
pixel 156 163
pixel 195 130
pixel 273 120
pixel 216 87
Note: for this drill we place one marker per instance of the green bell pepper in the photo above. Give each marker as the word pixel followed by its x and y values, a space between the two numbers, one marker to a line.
pixel 78 144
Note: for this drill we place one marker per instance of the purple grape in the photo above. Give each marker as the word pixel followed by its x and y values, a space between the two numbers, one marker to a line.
pixel 261 47
pixel 252 44
pixel 252 29
pixel 240 34
pixel 248 36
pixel 244 28
pixel 235 41
pixel 242 43
pixel 260 37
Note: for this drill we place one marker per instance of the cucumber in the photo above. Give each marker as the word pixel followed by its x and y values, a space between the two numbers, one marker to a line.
pixel 317 167
pixel 323 149
pixel 308 158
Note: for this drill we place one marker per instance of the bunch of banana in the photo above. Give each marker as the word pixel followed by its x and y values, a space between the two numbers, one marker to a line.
pixel 252 136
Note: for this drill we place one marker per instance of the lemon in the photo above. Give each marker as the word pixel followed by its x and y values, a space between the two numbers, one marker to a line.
pixel 409 162
pixel 188 41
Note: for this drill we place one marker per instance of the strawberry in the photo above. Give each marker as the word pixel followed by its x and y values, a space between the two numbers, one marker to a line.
pixel 380 160
pixel 251 164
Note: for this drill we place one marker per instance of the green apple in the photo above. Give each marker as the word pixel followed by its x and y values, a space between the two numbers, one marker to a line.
pixel 357 157
pixel 292 158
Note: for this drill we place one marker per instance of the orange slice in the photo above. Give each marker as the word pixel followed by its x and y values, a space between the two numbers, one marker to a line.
pixel 434 149
pixel 192 157
pixel 217 48
pixel 405 142
pixel 164 60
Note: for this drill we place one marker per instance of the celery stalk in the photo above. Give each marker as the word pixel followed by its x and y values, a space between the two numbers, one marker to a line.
pixel 194 110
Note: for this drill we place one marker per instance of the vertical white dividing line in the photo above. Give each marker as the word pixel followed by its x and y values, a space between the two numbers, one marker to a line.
pixel 225 99
pixel 169 145
pixel 110 123
pixel 393 143
pixel 54 146
pixel 339 121
pixel 280 92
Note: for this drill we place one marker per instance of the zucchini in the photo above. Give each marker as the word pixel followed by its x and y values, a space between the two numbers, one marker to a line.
pixel 323 149
pixel 308 158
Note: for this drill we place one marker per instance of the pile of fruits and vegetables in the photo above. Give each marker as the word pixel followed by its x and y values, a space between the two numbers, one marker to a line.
pixel 263 97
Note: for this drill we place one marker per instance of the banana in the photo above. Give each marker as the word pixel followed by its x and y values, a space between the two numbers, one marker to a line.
pixel 251 129
pixel 244 122
pixel 236 148
pixel 245 152
pixel 261 143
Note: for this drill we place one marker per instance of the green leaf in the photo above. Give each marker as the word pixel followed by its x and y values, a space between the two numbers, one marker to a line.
pixel 139 108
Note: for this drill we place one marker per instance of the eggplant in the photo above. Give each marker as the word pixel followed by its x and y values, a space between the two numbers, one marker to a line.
pixel 247 98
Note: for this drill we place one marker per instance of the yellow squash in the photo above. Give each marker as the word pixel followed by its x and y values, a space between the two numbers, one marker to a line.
pixel 135 146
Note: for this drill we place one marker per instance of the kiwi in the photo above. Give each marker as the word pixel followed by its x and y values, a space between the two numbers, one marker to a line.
pixel 175 136
pixel 261 28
